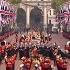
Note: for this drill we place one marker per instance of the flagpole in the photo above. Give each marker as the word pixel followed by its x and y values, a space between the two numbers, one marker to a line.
pixel 68 11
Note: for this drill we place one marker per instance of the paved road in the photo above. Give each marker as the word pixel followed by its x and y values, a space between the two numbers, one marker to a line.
pixel 59 39
pixel 55 38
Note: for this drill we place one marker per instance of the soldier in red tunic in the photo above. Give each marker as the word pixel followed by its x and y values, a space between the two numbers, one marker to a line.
pixel 0 54
pixel 61 64
pixel 3 49
pixel 13 59
pixel 27 63
pixel 9 65
pixel 10 62
pixel 64 65
pixel 46 65
pixel 35 52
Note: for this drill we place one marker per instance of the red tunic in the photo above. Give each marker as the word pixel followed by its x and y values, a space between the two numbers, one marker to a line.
pixel 44 65
pixel 64 66
pixel 0 49
pixel 61 64
pixel 9 64
pixel 35 52
pixel 28 63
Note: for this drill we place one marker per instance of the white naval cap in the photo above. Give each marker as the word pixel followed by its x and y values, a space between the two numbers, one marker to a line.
pixel 58 46
pixel 36 65
pixel 21 65
pixel 68 42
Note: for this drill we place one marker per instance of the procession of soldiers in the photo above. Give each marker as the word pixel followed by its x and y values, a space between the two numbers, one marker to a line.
pixel 34 51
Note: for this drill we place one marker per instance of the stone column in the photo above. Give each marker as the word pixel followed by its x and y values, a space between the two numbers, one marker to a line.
pixel 45 18
pixel 27 17
pixel 61 28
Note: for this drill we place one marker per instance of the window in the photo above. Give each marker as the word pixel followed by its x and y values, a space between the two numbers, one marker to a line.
pixel 3 8
pixel 49 21
pixel 54 12
pixel 6 8
pixel 11 11
pixel 50 12
pixel 2 15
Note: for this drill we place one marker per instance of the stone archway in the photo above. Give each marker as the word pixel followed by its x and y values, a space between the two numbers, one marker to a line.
pixel 21 19
pixel 36 19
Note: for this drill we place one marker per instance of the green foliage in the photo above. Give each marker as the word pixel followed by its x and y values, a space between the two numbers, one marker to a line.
pixel 15 1
pixel 57 3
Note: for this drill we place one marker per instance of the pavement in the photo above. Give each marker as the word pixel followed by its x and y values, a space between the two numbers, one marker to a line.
pixel 58 38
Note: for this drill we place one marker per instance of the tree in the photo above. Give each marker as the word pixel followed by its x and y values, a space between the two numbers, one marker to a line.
pixel 57 3
pixel 14 1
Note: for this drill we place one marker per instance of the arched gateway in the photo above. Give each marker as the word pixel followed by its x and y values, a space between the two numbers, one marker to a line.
pixel 21 19
pixel 33 14
pixel 36 19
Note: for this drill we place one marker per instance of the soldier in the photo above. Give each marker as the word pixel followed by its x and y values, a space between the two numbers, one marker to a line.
pixel 64 65
pixel 35 52
pixel 28 63
pixel 0 54
pixel 41 59
pixel 46 65
pixel 37 67
pixel 9 65
pixel 3 49
pixel 48 61
pixel 36 64
pixel 10 62
pixel 61 63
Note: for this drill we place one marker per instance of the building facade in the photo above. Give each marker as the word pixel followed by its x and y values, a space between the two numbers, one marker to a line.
pixel 37 14
pixel 7 16
pixel 34 13
pixel 52 20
